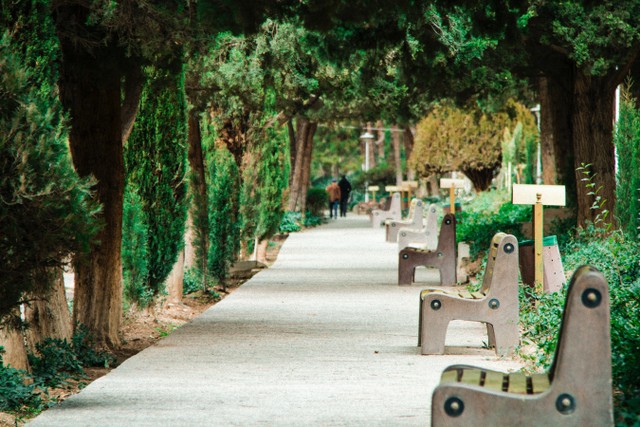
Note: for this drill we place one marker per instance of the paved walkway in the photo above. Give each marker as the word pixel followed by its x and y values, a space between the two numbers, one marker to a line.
pixel 325 337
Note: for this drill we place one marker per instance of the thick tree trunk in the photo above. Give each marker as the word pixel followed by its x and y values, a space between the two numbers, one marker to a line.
pixel 90 90
pixel 13 342
pixel 199 201
pixel 48 316
pixel 556 133
pixel 297 166
pixel 306 166
pixel 408 149
pixel 261 253
pixel 134 81
pixel 175 280
pixel 372 148
pixel 395 135
pixel 592 122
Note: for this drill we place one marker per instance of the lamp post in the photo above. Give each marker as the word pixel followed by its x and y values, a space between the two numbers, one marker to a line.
pixel 367 137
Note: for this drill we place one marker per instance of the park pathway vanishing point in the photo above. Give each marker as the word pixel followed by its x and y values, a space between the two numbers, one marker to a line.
pixel 325 337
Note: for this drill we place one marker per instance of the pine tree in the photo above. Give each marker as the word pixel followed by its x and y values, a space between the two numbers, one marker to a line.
pixel 155 160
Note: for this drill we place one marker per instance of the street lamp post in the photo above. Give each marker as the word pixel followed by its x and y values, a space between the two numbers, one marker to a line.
pixel 367 137
pixel 536 111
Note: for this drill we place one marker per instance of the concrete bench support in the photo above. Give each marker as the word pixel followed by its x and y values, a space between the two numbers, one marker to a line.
pixel 575 392
pixel 443 258
pixel 496 304
pixel 379 216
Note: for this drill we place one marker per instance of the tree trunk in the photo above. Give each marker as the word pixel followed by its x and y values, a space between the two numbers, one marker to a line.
pixel 302 128
pixel 176 279
pixel 380 141
pixel 292 148
pixel 592 122
pixel 48 316
pixel 197 214
pixel 372 148
pixel 306 165
pixel 134 81
pixel 556 132
pixel 15 352
pixel 480 178
pixel 262 251
pixel 408 149
pixel 395 135
pixel 90 91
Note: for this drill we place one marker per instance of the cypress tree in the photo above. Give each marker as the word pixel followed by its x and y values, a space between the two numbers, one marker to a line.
pixel 46 212
pixel 627 141
pixel 155 163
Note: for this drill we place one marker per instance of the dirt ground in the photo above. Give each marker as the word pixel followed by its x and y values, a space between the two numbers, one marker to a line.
pixel 143 328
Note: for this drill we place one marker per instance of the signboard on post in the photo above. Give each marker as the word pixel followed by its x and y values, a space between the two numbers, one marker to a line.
pixel 373 189
pixel 452 184
pixel 538 195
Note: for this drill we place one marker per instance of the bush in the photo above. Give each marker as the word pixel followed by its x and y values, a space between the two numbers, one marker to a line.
pixel 290 222
pixel 317 201
pixel 14 393
pixel 617 257
pixel 480 220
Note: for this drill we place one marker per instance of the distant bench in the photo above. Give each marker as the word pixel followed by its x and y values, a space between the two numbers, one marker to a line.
pixel 424 238
pixel 393 212
pixel 443 258
pixel 575 392
pixel 414 221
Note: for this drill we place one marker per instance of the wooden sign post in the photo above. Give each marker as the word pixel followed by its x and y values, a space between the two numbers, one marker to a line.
pixel 452 184
pixel 538 196
pixel 373 189
pixel 409 187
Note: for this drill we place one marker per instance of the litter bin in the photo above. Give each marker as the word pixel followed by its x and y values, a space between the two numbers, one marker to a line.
pixel 553 278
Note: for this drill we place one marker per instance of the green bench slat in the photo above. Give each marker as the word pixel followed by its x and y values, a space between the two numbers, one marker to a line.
pixel 517 383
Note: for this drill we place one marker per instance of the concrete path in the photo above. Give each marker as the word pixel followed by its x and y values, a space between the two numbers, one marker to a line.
pixel 325 337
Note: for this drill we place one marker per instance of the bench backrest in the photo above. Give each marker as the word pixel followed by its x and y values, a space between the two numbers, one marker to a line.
pixel 502 268
pixel 396 203
pixel 431 222
pixel 583 352
pixel 447 236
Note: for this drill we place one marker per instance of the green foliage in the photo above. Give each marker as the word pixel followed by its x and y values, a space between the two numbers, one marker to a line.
pixel 616 255
pixel 84 346
pixel 15 394
pixel 135 264
pixel 290 222
pixel 192 281
pixel 155 158
pixel 224 234
pixel 598 203
pixel 55 362
pixel 488 213
pixel 317 201
pixel 627 141
pixel 46 210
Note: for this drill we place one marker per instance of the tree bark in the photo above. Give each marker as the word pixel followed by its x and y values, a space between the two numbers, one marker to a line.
pixel 199 203
pixel 302 128
pixel 408 149
pixel 15 351
pixel 133 83
pixel 306 165
pixel 90 91
pixel 395 135
pixel 372 148
pixel 380 141
pixel 175 280
pixel 481 178
pixel 48 316
pixel 592 122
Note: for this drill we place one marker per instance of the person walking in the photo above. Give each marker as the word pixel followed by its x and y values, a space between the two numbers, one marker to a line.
pixel 334 199
pixel 345 192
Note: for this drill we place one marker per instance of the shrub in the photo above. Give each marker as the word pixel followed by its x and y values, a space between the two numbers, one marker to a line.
pixel 290 222
pixel 14 393
pixel 55 362
pixel 479 220
pixel 616 255
pixel 317 201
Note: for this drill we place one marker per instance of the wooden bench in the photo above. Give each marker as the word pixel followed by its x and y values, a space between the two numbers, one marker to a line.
pixel 379 216
pixel 443 258
pixel 414 221
pixel 426 238
pixel 496 304
pixel 575 392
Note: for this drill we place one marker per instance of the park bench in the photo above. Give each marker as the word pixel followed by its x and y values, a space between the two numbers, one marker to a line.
pixel 379 216
pixel 443 258
pixel 576 391
pixel 414 221
pixel 495 304
pixel 426 238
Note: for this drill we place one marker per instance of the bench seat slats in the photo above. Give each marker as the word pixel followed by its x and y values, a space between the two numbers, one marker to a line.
pixel 540 383
pixel 517 383
pixel 449 376
pixel 494 380
pixel 471 376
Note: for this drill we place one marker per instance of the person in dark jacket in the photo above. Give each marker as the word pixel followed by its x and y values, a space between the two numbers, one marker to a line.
pixel 345 191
